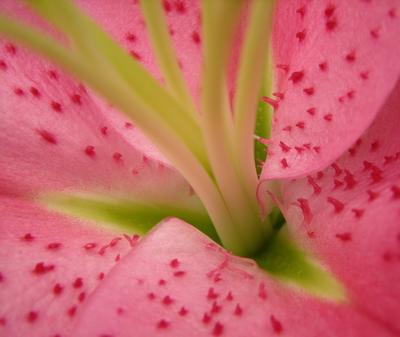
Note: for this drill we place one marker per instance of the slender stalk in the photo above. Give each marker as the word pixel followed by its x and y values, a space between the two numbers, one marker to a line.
pixel 188 165
pixel 250 78
pixel 219 21
pixel 165 53
pixel 266 90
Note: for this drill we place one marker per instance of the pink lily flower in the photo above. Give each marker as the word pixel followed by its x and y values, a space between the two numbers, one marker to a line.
pixel 332 169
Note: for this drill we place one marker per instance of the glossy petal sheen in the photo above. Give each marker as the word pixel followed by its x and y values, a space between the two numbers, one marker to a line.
pixel 178 283
pixel 336 61
pixel 49 269
pixel 349 214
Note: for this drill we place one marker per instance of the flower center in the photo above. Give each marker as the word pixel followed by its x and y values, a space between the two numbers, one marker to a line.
pixel 212 144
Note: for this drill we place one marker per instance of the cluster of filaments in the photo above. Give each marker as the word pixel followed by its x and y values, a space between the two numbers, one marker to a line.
pixel 211 144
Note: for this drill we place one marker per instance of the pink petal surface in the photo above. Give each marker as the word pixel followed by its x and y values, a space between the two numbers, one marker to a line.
pixel 49 268
pixel 336 62
pixel 349 214
pixel 55 135
pixel 176 282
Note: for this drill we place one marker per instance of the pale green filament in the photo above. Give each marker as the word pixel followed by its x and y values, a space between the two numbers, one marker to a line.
pixel 264 117
pixel 252 67
pixel 219 24
pixel 157 28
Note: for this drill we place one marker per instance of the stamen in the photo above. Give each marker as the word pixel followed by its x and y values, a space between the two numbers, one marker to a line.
pixel 253 66
pixel 157 26
pixel 263 126
pixel 217 121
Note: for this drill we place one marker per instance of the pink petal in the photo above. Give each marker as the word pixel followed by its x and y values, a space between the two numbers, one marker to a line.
pixel 50 267
pixel 178 283
pixel 354 216
pixel 336 62
pixel 56 135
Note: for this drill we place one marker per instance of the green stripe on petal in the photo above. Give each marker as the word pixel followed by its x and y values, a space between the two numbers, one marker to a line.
pixel 285 261
pixel 138 216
